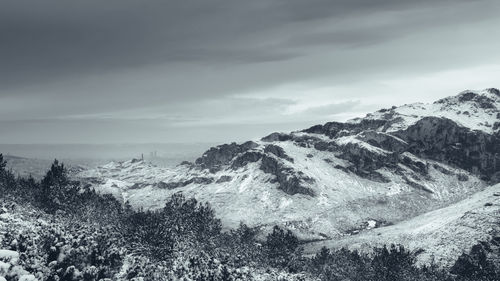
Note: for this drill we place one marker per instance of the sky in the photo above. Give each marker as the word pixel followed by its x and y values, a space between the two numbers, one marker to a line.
pixel 191 71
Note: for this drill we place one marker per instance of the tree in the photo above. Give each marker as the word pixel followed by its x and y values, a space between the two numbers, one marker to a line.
pixel 7 178
pixel 475 264
pixel 281 245
pixel 245 233
pixel 322 257
pixel 150 234
pixel 393 263
pixel 3 163
pixel 55 187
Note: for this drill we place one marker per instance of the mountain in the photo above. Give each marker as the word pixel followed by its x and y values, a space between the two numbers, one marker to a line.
pixel 336 179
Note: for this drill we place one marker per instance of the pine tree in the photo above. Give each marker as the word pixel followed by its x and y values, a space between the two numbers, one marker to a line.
pixel 281 245
pixel 3 163
pixel 53 187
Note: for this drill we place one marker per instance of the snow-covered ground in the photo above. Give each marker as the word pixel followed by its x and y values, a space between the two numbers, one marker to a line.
pixel 342 200
pixel 444 234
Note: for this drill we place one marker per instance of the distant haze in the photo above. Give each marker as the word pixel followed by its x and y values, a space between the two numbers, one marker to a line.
pixel 211 71
pixel 171 154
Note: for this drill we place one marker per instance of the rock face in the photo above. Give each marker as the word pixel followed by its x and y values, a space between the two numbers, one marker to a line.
pixel 289 181
pixel 278 152
pixel 390 165
pixel 276 137
pixel 196 180
pixel 337 129
pixel 221 155
pixel 384 141
pixel 443 140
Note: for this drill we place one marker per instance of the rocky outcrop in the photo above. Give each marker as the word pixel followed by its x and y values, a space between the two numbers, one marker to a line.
pixel 481 101
pixel 326 146
pixel 337 129
pixel 195 180
pixel 384 141
pixel 245 158
pixel 276 137
pixel 414 164
pixel 278 152
pixel 365 161
pixel 372 175
pixel 288 180
pixel 224 179
pixel 445 141
pixel 216 157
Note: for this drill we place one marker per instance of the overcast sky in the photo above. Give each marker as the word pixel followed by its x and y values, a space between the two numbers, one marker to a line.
pixel 123 71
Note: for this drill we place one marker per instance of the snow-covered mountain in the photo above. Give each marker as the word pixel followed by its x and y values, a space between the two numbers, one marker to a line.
pixel 334 179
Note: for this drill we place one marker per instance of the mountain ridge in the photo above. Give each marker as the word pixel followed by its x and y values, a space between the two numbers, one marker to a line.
pixel 326 180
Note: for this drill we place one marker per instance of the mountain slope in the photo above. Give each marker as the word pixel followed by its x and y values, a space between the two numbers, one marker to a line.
pixel 446 232
pixel 330 180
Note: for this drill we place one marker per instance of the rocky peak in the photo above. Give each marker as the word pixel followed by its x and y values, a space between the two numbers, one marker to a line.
pixel 486 99
pixel 217 157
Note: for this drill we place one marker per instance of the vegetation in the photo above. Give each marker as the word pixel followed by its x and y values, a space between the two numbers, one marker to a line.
pixel 74 233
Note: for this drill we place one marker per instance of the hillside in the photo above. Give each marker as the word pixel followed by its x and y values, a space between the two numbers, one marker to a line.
pixel 334 179
pixel 446 232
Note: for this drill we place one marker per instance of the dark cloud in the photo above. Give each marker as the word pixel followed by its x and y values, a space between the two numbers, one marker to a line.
pixel 46 40
pixel 191 63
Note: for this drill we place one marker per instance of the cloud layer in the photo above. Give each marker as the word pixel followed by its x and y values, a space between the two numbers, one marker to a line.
pixel 95 71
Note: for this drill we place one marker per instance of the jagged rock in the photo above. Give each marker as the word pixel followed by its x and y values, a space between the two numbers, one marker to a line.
pixel 173 185
pixel 165 185
pixel 337 129
pixel 467 96
pixel 187 163
pixel 278 152
pixel 367 159
pixel 367 174
pixel 494 91
pixel 443 140
pixel 340 167
pixel 442 169
pixel 221 155
pixel 303 144
pixel 199 180
pixel 326 146
pixel 224 179
pixel 416 185
pixel 384 141
pixel 245 158
pixel 287 180
pixel 414 164
pixel 276 137
pixel 137 185
pixel 485 102
pixel 305 139
pixel 462 177
pixel 479 100
pixel 496 125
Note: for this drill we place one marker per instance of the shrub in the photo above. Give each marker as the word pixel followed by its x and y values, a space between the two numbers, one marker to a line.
pixel 281 245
